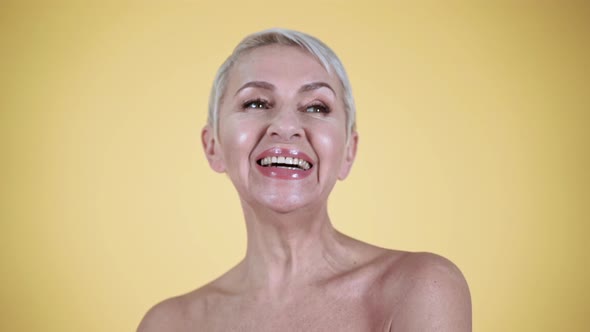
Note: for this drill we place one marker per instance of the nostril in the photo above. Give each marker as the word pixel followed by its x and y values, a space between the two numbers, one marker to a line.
pixel 286 134
pixel 285 128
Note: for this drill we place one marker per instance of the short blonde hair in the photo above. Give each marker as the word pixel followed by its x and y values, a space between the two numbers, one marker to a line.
pixel 328 59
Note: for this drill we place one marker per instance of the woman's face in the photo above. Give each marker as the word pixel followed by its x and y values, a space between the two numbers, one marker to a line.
pixel 282 130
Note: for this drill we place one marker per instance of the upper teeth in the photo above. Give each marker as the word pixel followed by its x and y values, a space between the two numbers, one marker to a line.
pixel 295 162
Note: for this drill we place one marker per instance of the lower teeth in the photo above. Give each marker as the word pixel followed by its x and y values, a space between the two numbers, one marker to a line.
pixel 279 165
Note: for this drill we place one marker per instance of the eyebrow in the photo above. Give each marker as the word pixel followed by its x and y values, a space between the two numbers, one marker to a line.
pixel 269 86
pixel 315 86
pixel 257 84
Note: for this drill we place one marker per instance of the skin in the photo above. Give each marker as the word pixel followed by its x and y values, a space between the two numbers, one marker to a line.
pixel 299 273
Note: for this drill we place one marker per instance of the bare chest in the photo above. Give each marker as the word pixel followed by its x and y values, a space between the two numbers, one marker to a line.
pixel 301 313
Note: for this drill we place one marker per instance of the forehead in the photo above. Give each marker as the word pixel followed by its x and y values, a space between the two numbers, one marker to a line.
pixel 279 64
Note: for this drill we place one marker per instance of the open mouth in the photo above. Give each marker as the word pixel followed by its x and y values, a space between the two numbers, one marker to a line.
pixel 285 162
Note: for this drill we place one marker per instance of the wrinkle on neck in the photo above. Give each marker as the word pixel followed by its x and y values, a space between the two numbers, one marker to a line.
pixel 293 249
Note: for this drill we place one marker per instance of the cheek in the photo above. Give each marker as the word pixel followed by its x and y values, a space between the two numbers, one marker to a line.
pixel 237 139
pixel 240 139
pixel 330 144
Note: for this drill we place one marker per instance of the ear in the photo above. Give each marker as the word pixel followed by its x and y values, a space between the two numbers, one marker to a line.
pixel 350 155
pixel 211 149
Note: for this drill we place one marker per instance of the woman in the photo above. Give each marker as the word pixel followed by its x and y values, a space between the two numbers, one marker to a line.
pixel 282 127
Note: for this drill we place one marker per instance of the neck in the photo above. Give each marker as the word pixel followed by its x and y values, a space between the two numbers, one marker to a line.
pixel 287 249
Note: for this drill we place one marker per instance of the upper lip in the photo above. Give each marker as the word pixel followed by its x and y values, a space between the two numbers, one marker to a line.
pixel 285 152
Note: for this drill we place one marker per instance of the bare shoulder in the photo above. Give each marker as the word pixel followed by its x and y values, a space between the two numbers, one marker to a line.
pixel 164 316
pixel 432 294
pixel 174 314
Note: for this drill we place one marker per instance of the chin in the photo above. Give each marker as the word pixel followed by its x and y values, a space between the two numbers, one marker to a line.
pixel 282 204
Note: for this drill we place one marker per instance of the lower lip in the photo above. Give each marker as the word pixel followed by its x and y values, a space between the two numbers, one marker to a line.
pixel 283 173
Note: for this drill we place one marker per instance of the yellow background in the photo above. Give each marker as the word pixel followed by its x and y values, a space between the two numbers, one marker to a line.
pixel 474 144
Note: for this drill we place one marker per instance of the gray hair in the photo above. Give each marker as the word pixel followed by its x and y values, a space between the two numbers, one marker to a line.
pixel 327 58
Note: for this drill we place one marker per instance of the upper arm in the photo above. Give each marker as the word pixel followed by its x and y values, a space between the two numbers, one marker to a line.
pixel 164 316
pixel 436 299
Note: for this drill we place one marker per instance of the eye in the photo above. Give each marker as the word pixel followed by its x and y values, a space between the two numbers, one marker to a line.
pixel 256 104
pixel 317 108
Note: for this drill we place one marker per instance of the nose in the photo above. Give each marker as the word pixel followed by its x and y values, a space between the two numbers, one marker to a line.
pixel 285 125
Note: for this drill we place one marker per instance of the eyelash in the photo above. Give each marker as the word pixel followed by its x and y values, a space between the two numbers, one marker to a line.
pixel 259 103
pixel 318 108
